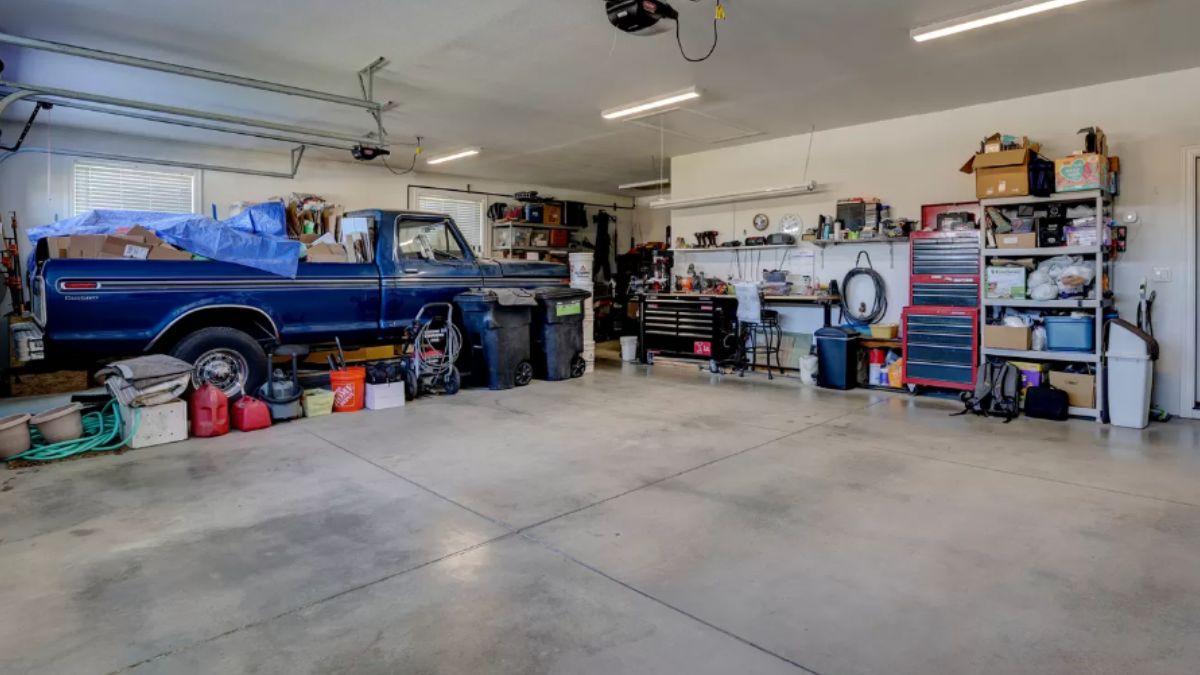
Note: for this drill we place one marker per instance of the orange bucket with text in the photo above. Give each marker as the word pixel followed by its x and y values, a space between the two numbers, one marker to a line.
pixel 349 387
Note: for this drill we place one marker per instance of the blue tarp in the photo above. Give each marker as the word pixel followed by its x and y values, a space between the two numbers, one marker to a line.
pixel 255 238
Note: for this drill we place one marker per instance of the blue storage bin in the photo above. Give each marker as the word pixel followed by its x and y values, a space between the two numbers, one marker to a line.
pixel 1070 333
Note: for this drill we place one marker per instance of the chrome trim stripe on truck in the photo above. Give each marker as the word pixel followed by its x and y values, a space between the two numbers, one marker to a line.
pixel 363 283
pixel 181 317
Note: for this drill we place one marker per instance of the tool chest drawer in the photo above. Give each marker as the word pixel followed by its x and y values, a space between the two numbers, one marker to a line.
pixel 941 253
pixel 697 326
pixel 954 292
pixel 941 346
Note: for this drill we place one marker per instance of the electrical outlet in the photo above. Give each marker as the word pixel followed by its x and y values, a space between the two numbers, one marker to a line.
pixel 1162 275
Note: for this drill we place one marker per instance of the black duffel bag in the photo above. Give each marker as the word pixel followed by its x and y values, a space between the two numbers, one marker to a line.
pixel 1047 403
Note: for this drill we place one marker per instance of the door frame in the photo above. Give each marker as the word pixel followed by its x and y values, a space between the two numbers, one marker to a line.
pixel 1188 394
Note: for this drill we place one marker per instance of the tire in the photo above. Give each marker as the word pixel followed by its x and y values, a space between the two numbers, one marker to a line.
pixel 578 366
pixel 411 386
pixel 524 374
pixel 226 357
pixel 451 381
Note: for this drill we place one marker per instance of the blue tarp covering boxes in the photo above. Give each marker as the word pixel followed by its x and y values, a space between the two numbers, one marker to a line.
pixel 256 237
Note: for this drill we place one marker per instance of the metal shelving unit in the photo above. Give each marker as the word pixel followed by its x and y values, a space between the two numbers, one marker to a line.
pixel 510 225
pixel 1102 201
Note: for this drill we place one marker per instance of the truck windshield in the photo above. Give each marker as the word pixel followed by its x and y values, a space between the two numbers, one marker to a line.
pixel 421 240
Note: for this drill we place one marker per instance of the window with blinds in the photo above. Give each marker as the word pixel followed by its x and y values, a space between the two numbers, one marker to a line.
pixel 467 215
pixel 108 186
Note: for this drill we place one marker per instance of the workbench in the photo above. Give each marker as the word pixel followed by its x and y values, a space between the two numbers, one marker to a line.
pixel 826 302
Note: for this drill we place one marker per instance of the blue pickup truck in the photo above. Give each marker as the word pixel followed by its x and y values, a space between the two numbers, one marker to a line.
pixel 223 317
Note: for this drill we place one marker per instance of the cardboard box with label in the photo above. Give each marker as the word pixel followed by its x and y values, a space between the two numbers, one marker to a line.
pixel 1017 240
pixel 120 246
pixel 1007 337
pixel 328 253
pixel 1080 388
pixel 1087 171
pixel 1006 283
pixel 1017 172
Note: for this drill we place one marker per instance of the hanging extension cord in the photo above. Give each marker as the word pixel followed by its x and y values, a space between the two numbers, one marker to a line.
pixel 718 15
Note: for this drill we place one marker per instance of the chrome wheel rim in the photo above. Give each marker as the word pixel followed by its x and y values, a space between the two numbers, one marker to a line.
pixel 225 369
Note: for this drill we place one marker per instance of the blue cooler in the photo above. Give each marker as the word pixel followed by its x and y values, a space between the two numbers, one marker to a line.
pixel 1070 333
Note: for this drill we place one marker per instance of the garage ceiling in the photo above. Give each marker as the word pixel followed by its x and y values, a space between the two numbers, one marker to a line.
pixel 527 80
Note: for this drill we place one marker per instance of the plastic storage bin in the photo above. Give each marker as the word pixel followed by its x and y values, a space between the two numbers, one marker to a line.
pixel 1130 362
pixel 837 357
pixel 497 335
pixel 1070 333
pixel 556 333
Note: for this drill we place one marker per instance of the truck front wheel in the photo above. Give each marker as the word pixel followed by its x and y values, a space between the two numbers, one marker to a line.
pixel 227 358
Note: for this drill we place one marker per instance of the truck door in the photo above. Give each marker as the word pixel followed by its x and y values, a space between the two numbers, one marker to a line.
pixel 431 264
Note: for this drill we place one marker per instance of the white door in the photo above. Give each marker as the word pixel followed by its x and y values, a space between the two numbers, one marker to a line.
pixel 1196 287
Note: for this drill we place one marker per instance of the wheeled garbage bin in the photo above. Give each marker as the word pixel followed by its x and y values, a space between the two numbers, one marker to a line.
pixel 837 357
pixel 497 336
pixel 556 333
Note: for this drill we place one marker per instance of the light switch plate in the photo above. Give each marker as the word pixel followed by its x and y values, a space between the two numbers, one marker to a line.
pixel 1162 275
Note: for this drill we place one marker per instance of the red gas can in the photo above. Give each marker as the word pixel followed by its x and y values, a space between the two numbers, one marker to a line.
pixel 250 414
pixel 210 412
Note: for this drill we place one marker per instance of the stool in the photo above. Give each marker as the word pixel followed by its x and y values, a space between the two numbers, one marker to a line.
pixel 764 337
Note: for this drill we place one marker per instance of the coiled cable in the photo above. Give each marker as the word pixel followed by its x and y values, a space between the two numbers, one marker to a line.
pixel 101 433
pixel 879 303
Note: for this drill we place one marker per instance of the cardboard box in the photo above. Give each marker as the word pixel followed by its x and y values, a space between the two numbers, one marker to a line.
pixel 119 246
pixel 1006 283
pixel 56 247
pixel 1011 173
pixel 142 234
pixel 1088 171
pixel 1080 388
pixel 85 245
pixel 166 251
pixel 1017 240
pixel 552 214
pixel 1002 142
pixel 1007 337
pixel 328 253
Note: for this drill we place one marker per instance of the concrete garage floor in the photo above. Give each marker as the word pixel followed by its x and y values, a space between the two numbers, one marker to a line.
pixel 631 522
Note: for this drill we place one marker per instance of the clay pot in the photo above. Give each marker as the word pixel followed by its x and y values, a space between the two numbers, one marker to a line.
pixel 14 435
pixel 63 423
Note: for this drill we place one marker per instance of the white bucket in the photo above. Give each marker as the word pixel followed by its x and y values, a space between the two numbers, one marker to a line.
pixel 581 270
pixel 629 348
pixel 808 369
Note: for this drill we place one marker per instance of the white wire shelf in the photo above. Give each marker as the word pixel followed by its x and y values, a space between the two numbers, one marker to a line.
pixel 1030 355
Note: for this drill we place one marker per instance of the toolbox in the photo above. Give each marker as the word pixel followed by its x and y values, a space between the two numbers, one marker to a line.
pixel 941 346
pixel 689 326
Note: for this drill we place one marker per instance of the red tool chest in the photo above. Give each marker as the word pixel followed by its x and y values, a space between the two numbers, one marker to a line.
pixel 941 323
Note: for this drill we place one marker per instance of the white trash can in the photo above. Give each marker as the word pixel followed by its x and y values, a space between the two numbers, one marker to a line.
pixel 629 344
pixel 1130 374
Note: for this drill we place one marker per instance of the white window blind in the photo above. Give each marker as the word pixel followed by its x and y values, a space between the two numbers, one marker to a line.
pixel 467 215
pixel 107 186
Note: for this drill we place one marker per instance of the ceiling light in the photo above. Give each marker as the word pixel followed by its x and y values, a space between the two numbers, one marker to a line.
pixel 653 105
pixel 469 152
pixel 645 184
pixel 989 17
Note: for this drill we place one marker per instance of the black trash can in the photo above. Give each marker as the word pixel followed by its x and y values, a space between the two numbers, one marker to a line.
pixel 497 336
pixel 556 333
pixel 837 357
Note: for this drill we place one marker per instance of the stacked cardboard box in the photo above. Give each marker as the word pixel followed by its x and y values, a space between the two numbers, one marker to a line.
pixel 138 243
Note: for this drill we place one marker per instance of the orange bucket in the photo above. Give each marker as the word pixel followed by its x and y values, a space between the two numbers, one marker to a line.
pixel 349 387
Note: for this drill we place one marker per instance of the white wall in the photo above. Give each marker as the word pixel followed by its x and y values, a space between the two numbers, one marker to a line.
pixel 912 161
pixel 37 186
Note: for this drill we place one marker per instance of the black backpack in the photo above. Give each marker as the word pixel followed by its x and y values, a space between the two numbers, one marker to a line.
pixel 995 393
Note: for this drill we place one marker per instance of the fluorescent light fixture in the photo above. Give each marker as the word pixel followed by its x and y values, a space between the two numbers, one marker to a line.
pixel 654 105
pixel 469 152
pixel 734 197
pixel 645 184
pixel 989 17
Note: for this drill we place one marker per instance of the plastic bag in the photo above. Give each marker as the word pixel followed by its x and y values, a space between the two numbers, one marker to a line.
pixel 1044 292
pixel 1037 339
pixel 1074 279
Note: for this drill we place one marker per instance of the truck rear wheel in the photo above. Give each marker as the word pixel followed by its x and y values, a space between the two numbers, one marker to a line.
pixel 225 357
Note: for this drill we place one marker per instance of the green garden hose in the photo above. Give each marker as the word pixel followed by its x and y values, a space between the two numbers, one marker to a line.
pixel 101 433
